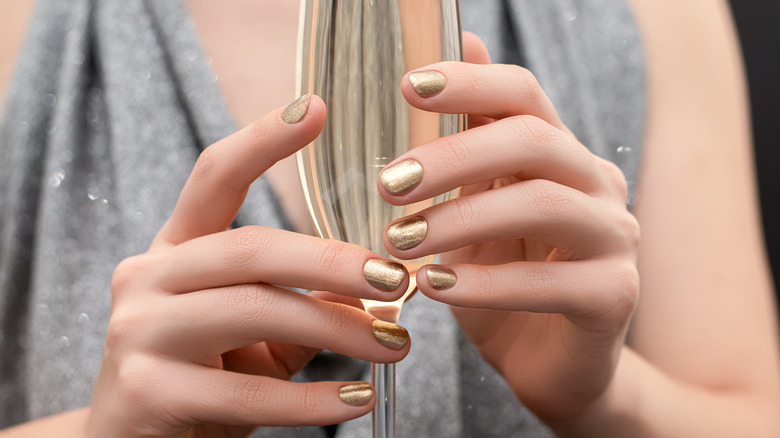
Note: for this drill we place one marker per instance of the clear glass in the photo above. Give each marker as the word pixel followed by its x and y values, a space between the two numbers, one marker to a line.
pixel 353 54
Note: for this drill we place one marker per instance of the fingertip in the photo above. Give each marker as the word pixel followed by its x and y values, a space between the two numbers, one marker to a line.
pixel 424 84
pixel 297 110
pixel 403 237
pixel 399 199
pixel 357 394
pixel 390 335
pixel 439 277
pixel 434 281
pixel 390 278
pixel 427 83
pixel 308 110
pixel 401 177
pixel 317 107
pixel 474 50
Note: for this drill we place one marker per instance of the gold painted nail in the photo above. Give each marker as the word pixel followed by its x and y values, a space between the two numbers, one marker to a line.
pixel 426 83
pixel 401 177
pixel 407 233
pixel 356 394
pixel 389 334
pixel 296 110
pixel 440 278
pixel 384 274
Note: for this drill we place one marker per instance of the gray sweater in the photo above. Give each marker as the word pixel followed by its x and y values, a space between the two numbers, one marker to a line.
pixel 110 106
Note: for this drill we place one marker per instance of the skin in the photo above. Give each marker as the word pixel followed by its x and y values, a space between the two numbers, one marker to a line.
pixel 13 22
pixel 547 257
pixel 550 200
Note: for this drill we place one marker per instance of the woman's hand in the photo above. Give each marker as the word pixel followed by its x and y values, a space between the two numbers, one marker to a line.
pixel 202 338
pixel 540 250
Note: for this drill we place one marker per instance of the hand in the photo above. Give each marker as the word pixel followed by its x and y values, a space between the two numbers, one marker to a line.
pixel 202 338
pixel 540 250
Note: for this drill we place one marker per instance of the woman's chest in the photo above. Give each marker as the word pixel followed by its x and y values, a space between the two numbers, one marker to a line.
pixel 252 45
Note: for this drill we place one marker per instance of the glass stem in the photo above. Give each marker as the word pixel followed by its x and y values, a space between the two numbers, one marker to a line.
pixel 383 376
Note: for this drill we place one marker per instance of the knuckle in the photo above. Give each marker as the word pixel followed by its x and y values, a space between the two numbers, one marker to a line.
pixel 310 398
pixel 211 166
pixel 261 132
pixel 252 395
pixel 128 328
pixel 540 136
pixel 485 284
pixel 538 279
pixel 615 178
pixel 532 90
pixel 463 215
pixel 125 274
pixel 626 295
pixel 340 317
pixel 245 246
pixel 631 230
pixel 206 165
pixel 625 230
pixel 332 255
pixel 455 152
pixel 247 304
pixel 550 202
pixel 119 329
pixel 216 166
pixel 135 375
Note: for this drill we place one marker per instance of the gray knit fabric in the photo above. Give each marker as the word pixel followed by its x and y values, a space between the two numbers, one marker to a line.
pixel 110 106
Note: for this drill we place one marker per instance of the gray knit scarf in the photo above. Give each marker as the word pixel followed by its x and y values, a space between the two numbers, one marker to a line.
pixel 111 104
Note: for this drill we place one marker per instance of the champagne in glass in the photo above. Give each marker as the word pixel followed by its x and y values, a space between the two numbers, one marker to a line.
pixel 353 54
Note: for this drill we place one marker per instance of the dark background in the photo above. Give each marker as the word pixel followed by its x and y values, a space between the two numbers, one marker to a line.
pixel 758 24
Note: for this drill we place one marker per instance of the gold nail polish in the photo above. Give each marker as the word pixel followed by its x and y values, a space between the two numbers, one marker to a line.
pixel 401 177
pixel 407 233
pixel 384 274
pixel 356 394
pixel 389 334
pixel 440 278
pixel 426 83
pixel 296 110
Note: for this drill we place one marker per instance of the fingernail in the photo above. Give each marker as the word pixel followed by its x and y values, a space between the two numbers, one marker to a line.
pixel 427 83
pixel 296 110
pixel 356 394
pixel 384 274
pixel 389 334
pixel 401 177
pixel 407 233
pixel 440 278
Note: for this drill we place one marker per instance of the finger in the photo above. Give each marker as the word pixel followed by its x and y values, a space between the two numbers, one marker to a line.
pixel 218 184
pixel 474 50
pixel 337 298
pixel 524 147
pixel 255 254
pixel 493 90
pixel 259 400
pixel 275 359
pixel 592 291
pixel 577 225
pixel 272 359
pixel 198 394
pixel 216 321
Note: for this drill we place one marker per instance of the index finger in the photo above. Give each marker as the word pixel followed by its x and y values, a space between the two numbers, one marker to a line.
pixel 496 91
pixel 221 177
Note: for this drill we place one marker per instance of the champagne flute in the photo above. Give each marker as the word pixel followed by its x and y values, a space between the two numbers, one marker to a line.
pixel 353 54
